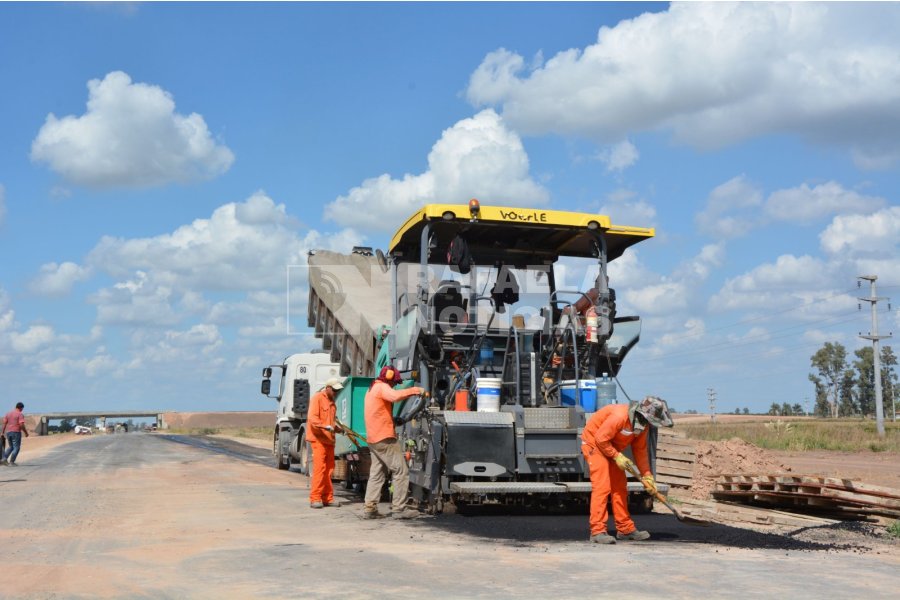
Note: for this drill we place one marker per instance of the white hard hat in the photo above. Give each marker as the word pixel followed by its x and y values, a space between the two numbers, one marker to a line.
pixel 334 383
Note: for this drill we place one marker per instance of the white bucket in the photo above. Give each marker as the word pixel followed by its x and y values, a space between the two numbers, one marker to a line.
pixel 488 393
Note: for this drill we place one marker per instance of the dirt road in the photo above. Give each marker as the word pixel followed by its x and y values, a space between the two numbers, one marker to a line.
pixel 140 516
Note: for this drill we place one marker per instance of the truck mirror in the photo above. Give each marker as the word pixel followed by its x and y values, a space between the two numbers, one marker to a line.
pixel 267 373
pixel 266 387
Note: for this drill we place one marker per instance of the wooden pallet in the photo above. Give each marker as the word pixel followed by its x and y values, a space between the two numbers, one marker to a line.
pixel 817 494
pixel 722 512
pixel 675 457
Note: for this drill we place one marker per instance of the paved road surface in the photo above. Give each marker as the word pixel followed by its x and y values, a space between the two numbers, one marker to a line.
pixel 140 516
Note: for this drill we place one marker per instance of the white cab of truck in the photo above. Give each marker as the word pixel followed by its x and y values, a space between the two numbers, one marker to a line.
pixel 301 376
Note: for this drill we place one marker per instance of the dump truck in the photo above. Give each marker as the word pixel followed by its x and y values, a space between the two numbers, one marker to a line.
pixel 506 318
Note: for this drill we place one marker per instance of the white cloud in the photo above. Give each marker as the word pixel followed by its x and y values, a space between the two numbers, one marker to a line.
pixel 803 204
pixel 199 343
pixel 619 157
pixel 777 285
pixel 662 298
pixel 255 309
pixel 624 207
pixel 700 267
pixel 242 246
pixel 716 73
pixel 877 233
pixel 731 209
pixel 96 366
pixel 7 314
pixel 138 301
pixel 35 338
pixel 476 158
pixel 58 279
pixel 130 136
pixel 275 327
pixel 692 330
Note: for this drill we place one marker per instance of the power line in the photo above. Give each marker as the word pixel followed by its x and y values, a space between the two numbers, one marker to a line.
pixel 748 340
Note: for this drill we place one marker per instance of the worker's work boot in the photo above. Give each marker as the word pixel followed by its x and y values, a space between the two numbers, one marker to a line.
pixel 406 513
pixel 602 538
pixel 634 536
pixel 334 503
pixel 316 504
pixel 371 514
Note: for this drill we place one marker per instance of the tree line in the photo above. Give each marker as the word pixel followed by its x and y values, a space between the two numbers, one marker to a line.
pixel 848 389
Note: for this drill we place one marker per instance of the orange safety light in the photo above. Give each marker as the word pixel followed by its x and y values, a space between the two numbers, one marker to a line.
pixel 474 208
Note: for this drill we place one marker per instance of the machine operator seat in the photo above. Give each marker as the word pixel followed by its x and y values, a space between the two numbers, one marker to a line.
pixel 449 305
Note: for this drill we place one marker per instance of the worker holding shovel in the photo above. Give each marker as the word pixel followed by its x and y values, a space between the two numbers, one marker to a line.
pixel 609 431
pixel 321 428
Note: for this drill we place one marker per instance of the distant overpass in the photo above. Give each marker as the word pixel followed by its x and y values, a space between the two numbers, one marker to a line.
pixel 45 418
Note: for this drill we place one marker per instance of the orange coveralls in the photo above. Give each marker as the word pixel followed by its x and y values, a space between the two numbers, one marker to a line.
pixel 321 413
pixel 606 434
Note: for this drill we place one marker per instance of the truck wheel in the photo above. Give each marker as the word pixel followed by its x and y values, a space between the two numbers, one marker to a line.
pixel 305 454
pixel 282 456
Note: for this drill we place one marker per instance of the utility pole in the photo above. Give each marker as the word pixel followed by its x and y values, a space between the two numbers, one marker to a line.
pixel 711 395
pixel 873 300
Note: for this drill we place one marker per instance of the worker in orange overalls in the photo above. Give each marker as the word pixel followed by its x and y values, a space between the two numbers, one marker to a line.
pixel 320 427
pixel 608 432
pixel 381 437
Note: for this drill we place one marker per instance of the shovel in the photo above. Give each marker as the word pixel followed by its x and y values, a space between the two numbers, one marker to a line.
pixel 678 514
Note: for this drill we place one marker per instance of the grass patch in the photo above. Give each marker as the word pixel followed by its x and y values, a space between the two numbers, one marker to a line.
pixel 894 529
pixel 848 435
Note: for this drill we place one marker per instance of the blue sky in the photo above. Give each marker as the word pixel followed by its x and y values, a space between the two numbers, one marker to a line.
pixel 161 164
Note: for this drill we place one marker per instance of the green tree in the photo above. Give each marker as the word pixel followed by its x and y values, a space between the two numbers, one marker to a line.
pixel 889 384
pixel 737 411
pixel 830 361
pixel 746 411
pixel 774 410
pixel 797 409
pixel 786 410
pixel 865 380
pixel 66 425
pixel 849 405
pixel 821 409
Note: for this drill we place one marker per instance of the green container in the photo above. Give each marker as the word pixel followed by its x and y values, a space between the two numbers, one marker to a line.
pixel 350 404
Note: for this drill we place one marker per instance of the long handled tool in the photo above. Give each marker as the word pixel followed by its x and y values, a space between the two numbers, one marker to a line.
pixel 655 493
pixel 352 435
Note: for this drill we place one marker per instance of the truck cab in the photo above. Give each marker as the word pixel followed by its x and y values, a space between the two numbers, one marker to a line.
pixel 299 377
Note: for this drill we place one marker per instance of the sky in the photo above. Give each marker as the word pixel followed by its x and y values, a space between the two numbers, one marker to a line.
pixel 162 165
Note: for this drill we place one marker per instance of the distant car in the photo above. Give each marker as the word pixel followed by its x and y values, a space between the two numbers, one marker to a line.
pixel 82 430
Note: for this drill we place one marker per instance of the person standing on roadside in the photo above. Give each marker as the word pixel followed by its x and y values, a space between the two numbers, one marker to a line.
pixel 321 428
pixel 13 428
pixel 387 456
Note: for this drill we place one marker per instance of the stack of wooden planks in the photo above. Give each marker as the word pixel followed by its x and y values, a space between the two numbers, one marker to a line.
pixel 675 456
pixel 721 512
pixel 840 498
